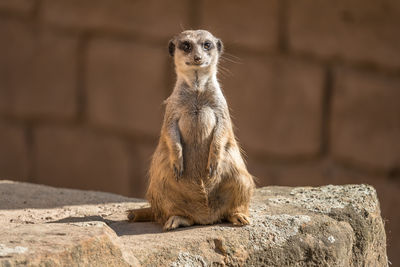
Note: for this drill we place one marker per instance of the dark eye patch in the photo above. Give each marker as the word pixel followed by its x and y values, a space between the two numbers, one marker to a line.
pixel 207 45
pixel 185 46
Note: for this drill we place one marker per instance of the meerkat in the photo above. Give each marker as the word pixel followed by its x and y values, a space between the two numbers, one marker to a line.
pixel 197 173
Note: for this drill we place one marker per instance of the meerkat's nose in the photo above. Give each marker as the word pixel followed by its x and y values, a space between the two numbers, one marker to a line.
pixel 197 58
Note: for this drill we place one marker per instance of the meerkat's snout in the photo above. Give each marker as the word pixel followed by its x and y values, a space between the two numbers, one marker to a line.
pixel 197 59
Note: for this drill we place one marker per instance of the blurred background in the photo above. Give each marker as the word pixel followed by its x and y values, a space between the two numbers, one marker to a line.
pixel 314 89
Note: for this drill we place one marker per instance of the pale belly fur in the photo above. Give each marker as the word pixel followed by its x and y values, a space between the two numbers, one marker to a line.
pixel 196 129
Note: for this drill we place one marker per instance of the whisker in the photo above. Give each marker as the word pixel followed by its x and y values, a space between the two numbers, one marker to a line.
pixel 181 26
pixel 222 74
pixel 226 71
pixel 232 55
pixel 230 60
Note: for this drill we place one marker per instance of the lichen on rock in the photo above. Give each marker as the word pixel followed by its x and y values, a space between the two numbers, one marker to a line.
pixel 325 198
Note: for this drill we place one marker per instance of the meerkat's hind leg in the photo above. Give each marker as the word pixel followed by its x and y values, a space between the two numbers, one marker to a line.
pixel 239 219
pixel 176 221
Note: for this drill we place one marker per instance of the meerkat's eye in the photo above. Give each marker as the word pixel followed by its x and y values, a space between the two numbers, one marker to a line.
pixel 207 45
pixel 186 46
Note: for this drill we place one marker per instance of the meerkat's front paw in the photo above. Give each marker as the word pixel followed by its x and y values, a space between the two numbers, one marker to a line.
pixel 177 167
pixel 239 219
pixel 176 221
pixel 212 167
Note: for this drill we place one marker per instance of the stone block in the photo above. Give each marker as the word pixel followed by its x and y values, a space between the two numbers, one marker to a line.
pixel 80 158
pixel 389 199
pixel 316 173
pixel 37 72
pixel 276 104
pixel 291 173
pixel 259 171
pixel 323 226
pixel 14 161
pixel 142 159
pixel 310 173
pixel 329 172
pixel 246 23
pixel 156 18
pixel 126 85
pixel 357 30
pixel 21 6
pixel 365 126
pixel 313 173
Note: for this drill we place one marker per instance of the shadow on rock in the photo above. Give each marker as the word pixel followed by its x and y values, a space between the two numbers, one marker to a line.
pixel 16 195
pixel 121 228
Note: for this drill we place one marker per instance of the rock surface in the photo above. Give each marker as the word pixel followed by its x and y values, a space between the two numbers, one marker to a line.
pixel 324 226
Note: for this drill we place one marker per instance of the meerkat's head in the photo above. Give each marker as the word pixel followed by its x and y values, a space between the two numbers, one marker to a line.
pixel 195 50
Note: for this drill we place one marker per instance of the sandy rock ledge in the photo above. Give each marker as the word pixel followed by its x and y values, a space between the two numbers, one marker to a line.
pixel 322 226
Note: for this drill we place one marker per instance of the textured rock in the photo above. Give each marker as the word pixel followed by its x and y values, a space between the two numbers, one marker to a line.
pixel 304 226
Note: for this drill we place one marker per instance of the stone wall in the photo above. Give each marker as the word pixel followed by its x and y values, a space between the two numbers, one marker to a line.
pixel 314 89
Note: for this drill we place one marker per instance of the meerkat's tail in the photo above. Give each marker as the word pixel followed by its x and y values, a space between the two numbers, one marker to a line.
pixel 140 215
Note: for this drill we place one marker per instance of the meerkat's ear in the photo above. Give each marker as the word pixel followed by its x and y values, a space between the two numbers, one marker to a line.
pixel 171 48
pixel 220 46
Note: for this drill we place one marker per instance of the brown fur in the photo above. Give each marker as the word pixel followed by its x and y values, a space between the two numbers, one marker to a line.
pixel 140 215
pixel 197 174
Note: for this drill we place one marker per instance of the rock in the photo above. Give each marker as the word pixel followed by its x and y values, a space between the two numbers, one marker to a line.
pixel 304 226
